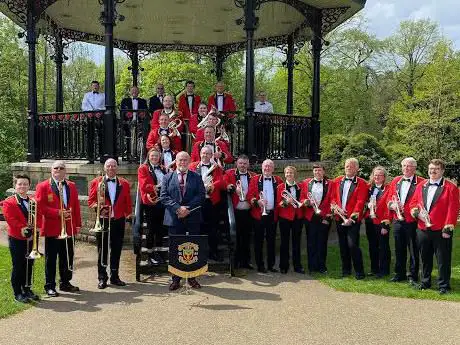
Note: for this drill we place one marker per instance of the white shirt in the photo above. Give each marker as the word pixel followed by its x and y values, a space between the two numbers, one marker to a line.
pixel 430 194
pixel 160 97
pixel 220 101
pixel 167 158
pixel 64 193
pixel 159 175
pixel 243 205
pixel 135 107
pixel 269 194
pixel 376 190
pixel 317 191
pixel 265 107
pixel 190 102
pixel 405 189
pixel 346 190
pixel 93 101
pixel 112 187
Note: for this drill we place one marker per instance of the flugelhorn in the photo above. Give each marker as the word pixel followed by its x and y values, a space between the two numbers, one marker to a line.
pixel 223 134
pixel 425 216
pixel 174 126
pixel 397 206
pixel 313 203
pixel 241 193
pixel 294 202
pixel 372 206
pixel 32 222
pixel 264 208
pixel 339 211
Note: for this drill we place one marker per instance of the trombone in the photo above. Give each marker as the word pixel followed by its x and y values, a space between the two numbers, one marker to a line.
pixel 32 222
pixel 63 235
pixel 98 226
pixel 241 194
pixel 294 202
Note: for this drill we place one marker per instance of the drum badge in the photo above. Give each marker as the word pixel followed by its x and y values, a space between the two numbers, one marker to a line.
pixel 187 253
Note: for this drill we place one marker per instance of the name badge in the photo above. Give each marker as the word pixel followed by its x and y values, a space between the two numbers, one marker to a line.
pixel 50 197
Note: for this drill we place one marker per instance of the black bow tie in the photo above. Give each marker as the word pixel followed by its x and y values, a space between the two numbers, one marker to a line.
pixel 267 179
pixel 23 199
pixel 406 179
pixel 206 165
pixel 190 95
pixel 243 174
pixel 112 180
pixel 317 181
pixel 135 98
pixel 348 179
pixel 262 103
pixel 212 144
pixel 156 167
pixel 95 92
pixel 220 95
pixel 433 184
pixel 167 151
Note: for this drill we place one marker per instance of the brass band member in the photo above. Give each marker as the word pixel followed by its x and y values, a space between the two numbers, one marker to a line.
pixel 196 118
pixel 435 205
pixel 222 100
pixel 349 197
pixel 262 196
pixel 290 213
pixel 220 149
pixel 316 195
pixel 117 199
pixel 150 175
pixel 189 101
pixel 401 191
pixel 377 227
pixel 237 181
pixel 168 155
pixel 171 129
pixel 57 198
pixel 16 212
pixel 168 109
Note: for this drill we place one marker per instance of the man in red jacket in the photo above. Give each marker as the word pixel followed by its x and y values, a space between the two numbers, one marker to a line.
pixel 220 149
pixel 262 197
pixel 435 205
pixel 237 182
pixel 189 101
pixel 222 100
pixel 212 176
pixel 117 208
pixel 316 195
pixel 16 211
pixel 349 197
pixel 57 200
pixel 400 193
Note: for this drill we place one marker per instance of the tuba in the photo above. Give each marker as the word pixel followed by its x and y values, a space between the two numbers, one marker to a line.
pixel 32 222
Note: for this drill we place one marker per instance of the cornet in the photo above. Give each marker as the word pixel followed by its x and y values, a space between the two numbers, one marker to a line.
pixel 425 216
pixel 339 211
pixel 223 134
pixel 313 202
pixel 203 123
pixel 286 196
pixel 32 222
pixel 264 209
pixel 174 125
pixel 241 194
pixel 397 206
pixel 372 206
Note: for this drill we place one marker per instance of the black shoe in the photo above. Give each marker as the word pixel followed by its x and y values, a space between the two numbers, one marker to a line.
pixel 371 274
pixel 360 276
pixel 21 298
pixel 283 270
pixel 397 279
pixel 30 295
pixel 247 266
pixel 52 293
pixel 323 271
pixel 153 262
pixel 443 291
pixel 67 287
pixel 421 286
pixel 117 282
pixel 102 284
pixel 261 269
pixel 299 270
pixel 273 270
pixel 346 274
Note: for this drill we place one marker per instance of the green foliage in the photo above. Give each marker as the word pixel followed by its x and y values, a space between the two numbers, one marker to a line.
pixel 332 147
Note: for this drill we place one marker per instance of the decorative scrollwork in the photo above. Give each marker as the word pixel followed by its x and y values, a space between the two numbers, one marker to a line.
pixel 330 17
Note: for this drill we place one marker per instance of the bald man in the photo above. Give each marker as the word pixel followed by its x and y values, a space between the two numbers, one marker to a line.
pixel 222 100
pixel 116 208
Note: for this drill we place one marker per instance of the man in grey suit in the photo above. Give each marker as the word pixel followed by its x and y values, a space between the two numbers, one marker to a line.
pixel 182 191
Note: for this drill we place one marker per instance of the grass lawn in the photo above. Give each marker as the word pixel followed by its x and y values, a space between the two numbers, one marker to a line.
pixel 8 305
pixel 384 286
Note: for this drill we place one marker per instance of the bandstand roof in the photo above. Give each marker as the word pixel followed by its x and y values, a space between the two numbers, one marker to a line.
pixel 184 25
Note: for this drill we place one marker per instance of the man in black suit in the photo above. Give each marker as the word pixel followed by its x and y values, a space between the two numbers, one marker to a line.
pixel 156 102
pixel 181 192
pixel 134 102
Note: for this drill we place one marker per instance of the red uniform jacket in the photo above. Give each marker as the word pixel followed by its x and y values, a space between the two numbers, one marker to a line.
pixel 193 124
pixel 155 122
pixel 444 207
pixel 183 105
pixel 395 187
pixel 230 178
pixel 16 216
pixel 288 212
pixel 325 205
pixel 122 206
pixel 357 197
pixel 48 202
pixel 147 182
pixel 200 136
pixel 154 138
pixel 217 180
pixel 229 103
pixel 227 156
pixel 381 209
pixel 255 187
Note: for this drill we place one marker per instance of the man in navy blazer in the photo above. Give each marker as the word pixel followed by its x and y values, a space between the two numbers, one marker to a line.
pixel 181 192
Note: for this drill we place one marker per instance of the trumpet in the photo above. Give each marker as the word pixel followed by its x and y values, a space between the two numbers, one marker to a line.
pixel 372 206
pixel 313 202
pixel 397 206
pixel 174 125
pixel 425 216
pixel 32 222
pixel 63 235
pixel 339 211
pixel 241 194
pixel 264 208
pixel 294 202
pixel 203 123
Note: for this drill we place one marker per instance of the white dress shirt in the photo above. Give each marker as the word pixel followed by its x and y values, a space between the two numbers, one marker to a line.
pixel 64 193
pixel 346 190
pixel 269 193
pixel 430 194
pixel 159 174
pixel 93 101
pixel 190 102
pixel 167 158
pixel 243 205
pixel 220 101
pixel 135 102
pixel 405 185
pixel 265 107
pixel 112 187
pixel 317 192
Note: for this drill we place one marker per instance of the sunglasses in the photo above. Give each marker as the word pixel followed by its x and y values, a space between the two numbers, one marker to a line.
pixel 58 168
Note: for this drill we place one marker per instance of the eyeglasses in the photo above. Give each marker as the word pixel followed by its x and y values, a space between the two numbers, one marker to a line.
pixel 58 168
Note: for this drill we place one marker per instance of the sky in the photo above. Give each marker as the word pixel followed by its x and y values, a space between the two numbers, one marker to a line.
pixel 383 18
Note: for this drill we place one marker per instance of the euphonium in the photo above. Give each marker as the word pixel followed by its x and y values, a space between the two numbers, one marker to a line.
pixel 174 125
pixel 32 222
pixel 203 123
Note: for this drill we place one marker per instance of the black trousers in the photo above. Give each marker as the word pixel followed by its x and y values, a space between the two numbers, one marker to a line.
pixel 317 237
pixel 431 242
pixel 55 248
pixel 288 227
pixel 209 226
pixel 154 216
pixel 21 273
pixel 265 228
pixel 406 239
pixel 349 248
pixel 379 248
pixel 117 234
pixel 243 222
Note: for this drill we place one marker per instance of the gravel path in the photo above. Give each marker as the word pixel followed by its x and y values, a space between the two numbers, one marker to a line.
pixel 257 309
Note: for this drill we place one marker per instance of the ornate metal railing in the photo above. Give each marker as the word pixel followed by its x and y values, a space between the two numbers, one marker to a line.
pixel 80 135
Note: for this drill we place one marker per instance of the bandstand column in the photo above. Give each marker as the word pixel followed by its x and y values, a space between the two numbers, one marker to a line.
pixel 110 129
pixel 134 56
pixel 290 75
pixel 59 60
pixel 33 153
pixel 219 63
pixel 315 99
